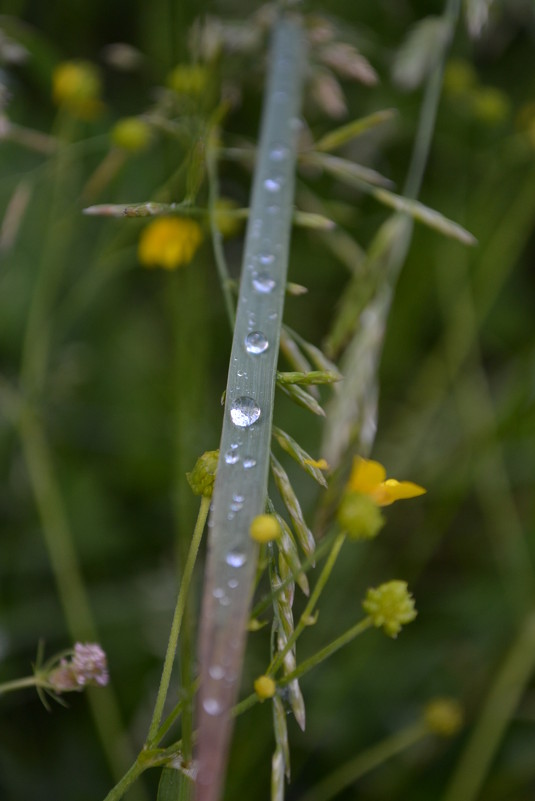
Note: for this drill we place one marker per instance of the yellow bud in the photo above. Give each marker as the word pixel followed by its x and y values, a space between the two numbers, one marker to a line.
pixel 443 716
pixel 202 477
pixel 76 86
pixel 188 79
pixel 265 528
pixel 132 134
pixel 265 687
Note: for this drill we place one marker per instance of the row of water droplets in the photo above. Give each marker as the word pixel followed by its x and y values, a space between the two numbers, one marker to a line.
pixel 244 410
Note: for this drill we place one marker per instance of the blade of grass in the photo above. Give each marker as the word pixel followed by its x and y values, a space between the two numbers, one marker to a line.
pixel 240 491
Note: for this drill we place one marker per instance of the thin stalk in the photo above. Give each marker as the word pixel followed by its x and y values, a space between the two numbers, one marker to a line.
pixel 241 483
pixel 309 608
pixel 177 622
pixel 366 761
pixel 502 701
pixel 329 650
pixel 68 577
pixel 20 684
pixel 217 244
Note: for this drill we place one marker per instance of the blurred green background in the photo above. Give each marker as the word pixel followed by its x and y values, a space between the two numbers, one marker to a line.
pixel 126 367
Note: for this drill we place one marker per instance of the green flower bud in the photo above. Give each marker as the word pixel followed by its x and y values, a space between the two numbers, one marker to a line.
pixel 360 516
pixel 202 477
pixel 390 606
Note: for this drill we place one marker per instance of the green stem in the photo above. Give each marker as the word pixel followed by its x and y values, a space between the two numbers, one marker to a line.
pixel 428 113
pixel 19 684
pixel 501 703
pixel 126 781
pixel 177 621
pixel 366 761
pixel 68 578
pixel 309 608
pixel 326 652
pixel 217 244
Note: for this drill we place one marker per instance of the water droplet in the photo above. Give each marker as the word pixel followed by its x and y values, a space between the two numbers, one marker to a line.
pixel 233 583
pixel 231 457
pixel 238 498
pixel 273 184
pixel 278 152
pixel 272 316
pixel 241 374
pixel 212 706
pixel 256 342
pixel 244 412
pixel 218 592
pixel 264 283
pixel 216 672
pixel 236 558
pixel 266 258
pixel 249 462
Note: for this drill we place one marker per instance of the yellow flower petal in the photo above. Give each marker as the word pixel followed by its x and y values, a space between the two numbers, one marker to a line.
pixel 392 490
pixel 366 475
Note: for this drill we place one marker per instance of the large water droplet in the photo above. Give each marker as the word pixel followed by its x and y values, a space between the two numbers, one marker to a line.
pixel 273 184
pixel 244 412
pixel 264 283
pixel 236 558
pixel 232 457
pixel 249 462
pixel 256 342
pixel 212 706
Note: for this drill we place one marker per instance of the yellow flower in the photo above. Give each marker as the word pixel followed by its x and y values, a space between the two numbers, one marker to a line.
pixel 169 242
pixel 76 86
pixel 443 716
pixel 265 528
pixel 265 687
pixel 369 478
pixel 132 134
pixel 390 606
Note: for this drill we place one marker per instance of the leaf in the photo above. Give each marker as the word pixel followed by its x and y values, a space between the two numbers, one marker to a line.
pixel 340 136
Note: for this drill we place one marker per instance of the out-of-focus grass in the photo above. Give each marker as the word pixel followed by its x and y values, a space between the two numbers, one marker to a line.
pixel 456 415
